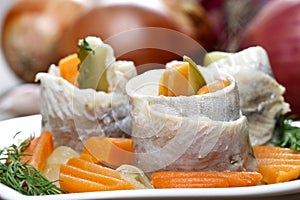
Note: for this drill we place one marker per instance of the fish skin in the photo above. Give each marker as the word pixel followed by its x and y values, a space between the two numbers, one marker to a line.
pixel 261 96
pixel 74 115
pixel 171 133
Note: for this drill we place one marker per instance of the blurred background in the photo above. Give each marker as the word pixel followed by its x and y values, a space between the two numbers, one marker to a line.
pixel 7 76
pixel 37 33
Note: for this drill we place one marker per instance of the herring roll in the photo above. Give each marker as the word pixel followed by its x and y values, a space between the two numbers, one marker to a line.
pixel 204 132
pixel 96 105
pixel 261 96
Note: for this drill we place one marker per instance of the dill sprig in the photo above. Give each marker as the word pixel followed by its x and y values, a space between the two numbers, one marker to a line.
pixel 23 177
pixel 86 45
pixel 287 135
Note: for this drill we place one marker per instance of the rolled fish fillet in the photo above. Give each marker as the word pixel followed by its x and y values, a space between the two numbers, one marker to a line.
pixel 261 96
pixel 74 114
pixel 188 133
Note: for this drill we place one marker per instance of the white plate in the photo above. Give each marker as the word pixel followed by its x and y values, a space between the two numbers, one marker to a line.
pixel 32 124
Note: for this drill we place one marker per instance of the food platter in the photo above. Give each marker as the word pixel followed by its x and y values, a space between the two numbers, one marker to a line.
pixel 32 125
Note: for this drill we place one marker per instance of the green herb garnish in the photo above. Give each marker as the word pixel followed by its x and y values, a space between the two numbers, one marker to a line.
pixel 23 177
pixel 86 45
pixel 287 135
pixel 84 48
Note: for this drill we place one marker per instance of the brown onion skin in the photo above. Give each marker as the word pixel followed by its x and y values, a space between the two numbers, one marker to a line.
pixel 13 30
pixel 277 29
pixel 106 21
pixel 30 30
pixel 104 18
pixel 40 48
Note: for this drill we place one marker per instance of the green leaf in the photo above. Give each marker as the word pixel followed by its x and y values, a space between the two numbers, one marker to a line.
pixel 288 134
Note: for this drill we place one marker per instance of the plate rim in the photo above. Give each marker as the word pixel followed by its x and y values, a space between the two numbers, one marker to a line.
pixel 271 190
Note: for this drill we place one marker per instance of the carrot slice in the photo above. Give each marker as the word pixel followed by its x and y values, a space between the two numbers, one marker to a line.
pixel 68 67
pixel 92 167
pixel 278 173
pixel 74 184
pixel 277 156
pixel 169 179
pixel 40 149
pixel 189 183
pixel 175 80
pixel 74 179
pixel 91 176
pixel 113 152
pixel 273 149
pixel 278 161
pixel 277 164
pixel 29 151
pixel 213 87
pixel 122 143
pixel 163 86
pixel 88 157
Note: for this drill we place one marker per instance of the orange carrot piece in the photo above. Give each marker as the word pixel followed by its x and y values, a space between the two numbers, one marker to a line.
pixel 277 155
pixel 174 81
pixel 213 87
pixel 92 167
pixel 88 157
pixel 113 152
pixel 189 183
pixel 273 149
pixel 169 179
pixel 278 173
pixel 163 86
pixel 278 161
pixel 91 176
pixel 74 179
pixel 122 143
pixel 74 184
pixel 68 67
pixel 29 151
pixel 41 149
pixel 277 164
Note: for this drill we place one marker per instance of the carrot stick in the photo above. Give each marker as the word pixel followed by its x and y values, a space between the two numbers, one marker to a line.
pixel 277 155
pixel 170 179
pixel 88 157
pixel 91 176
pixel 74 179
pixel 278 161
pixel 40 149
pixel 29 151
pixel 189 183
pixel 75 184
pixel 85 165
pixel 273 149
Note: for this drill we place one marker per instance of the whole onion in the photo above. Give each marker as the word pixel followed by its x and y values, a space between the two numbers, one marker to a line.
pixel 37 33
pixel 277 29
pixel 126 19
pixel 30 30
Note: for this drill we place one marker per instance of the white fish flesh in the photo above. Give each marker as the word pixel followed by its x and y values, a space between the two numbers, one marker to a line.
pixel 261 96
pixel 188 133
pixel 73 114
